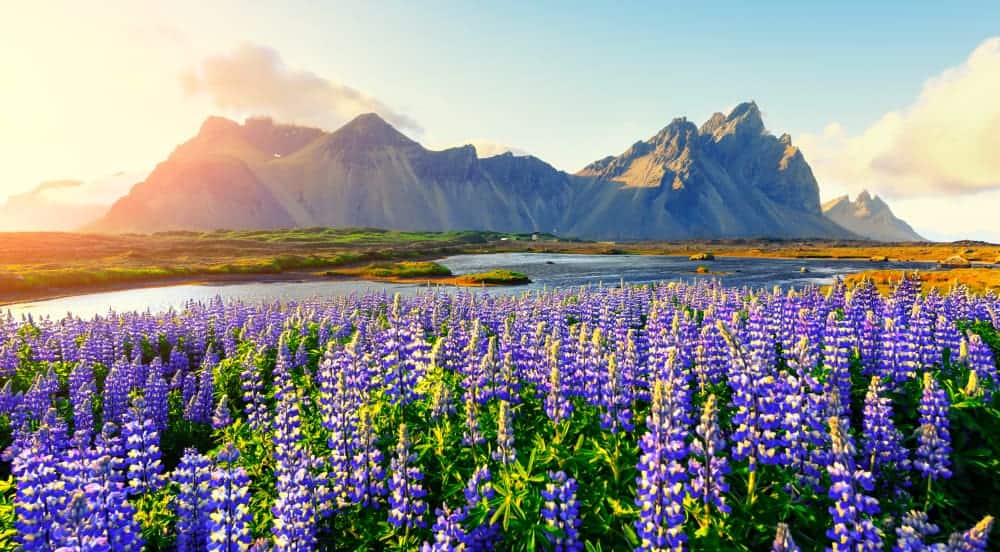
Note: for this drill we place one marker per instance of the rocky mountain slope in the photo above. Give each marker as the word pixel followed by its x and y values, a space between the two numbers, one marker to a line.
pixel 869 217
pixel 730 178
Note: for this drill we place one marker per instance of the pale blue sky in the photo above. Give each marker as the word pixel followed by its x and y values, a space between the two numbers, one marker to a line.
pixel 91 89
pixel 575 80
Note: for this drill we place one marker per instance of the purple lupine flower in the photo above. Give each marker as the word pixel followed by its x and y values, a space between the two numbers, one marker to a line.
pixel 980 360
pixel 54 431
pixel 252 385
pixel 221 418
pixel 155 396
pixel 922 330
pixel 853 510
pixel 783 541
pixel 660 492
pixel 38 399
pixel 948 337
pixel 82 390
pixel 406 494
pixel 505 452
pixel 200 406
pixel 441 402
pixel 712 354
pixel 116 517
pixel 707 465
pixel 557 405
pixel 142 451
pixel 478 494
pixel 869 341
pixel 404 353
pixel 35 473
pixel 891 366
pixel 508 384
pixel 912 531
pixel 338 412
pixel 614 398
pixel 973 540
pixel 294 509
pixel 837 360
pixel 472 435
pixel 758 415
pixel 882 442
pixel 228 506
pixel 193 476
pixel 367 478
pixel 75 528
pixel 449 535
pixel 932 456
pixel 111 444
pixel 561 511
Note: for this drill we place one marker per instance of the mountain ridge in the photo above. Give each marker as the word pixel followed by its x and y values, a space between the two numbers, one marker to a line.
pixel 730 178
pixel 871 217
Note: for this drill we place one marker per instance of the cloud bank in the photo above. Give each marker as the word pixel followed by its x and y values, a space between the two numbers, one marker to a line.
pixel 254 80
pixel 946 142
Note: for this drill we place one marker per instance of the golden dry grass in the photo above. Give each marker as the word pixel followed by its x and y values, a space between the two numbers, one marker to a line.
pixel 978 280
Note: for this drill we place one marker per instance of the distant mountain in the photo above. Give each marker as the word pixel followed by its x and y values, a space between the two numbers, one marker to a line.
pixel 729 179
pixel 869 217
pixel 62 205
pixel 38 210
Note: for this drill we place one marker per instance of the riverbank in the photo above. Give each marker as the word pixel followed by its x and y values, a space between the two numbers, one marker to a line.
pixel 977 280
pixel 35 266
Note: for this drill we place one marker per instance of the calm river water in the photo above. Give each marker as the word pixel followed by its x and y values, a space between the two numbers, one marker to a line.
pixel 546 271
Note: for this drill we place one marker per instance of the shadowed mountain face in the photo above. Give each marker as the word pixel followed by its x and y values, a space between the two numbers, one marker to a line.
pixel 869 217
pixel 728 179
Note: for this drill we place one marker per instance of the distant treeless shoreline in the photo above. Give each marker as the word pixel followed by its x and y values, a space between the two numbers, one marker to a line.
pixel 44 265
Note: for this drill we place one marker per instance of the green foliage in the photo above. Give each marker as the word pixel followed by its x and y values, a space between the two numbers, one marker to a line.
pixel 495 277
pixel 7 531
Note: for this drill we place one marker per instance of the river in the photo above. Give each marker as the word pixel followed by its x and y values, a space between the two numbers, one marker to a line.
pixel 545 270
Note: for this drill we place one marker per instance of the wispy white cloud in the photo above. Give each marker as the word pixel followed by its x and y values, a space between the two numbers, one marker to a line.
pixel 254 80
pixel 944 143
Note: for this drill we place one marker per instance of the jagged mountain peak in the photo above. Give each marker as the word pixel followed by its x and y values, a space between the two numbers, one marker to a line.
pixel 366 132
pixel 744 122
pixel 869 216
pixel 745 111
pixel 257 139
pixel 679 128
pixel 726 149
pixel 372 126
pixel 714 122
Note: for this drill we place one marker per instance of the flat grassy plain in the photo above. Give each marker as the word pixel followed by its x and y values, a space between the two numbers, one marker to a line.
pixel 37 265
pixel 976 279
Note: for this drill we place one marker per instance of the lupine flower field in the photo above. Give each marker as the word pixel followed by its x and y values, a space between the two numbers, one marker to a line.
pixel 666 417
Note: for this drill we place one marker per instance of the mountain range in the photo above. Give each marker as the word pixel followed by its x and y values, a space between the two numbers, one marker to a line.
pixel 871 217
pixel 728 178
